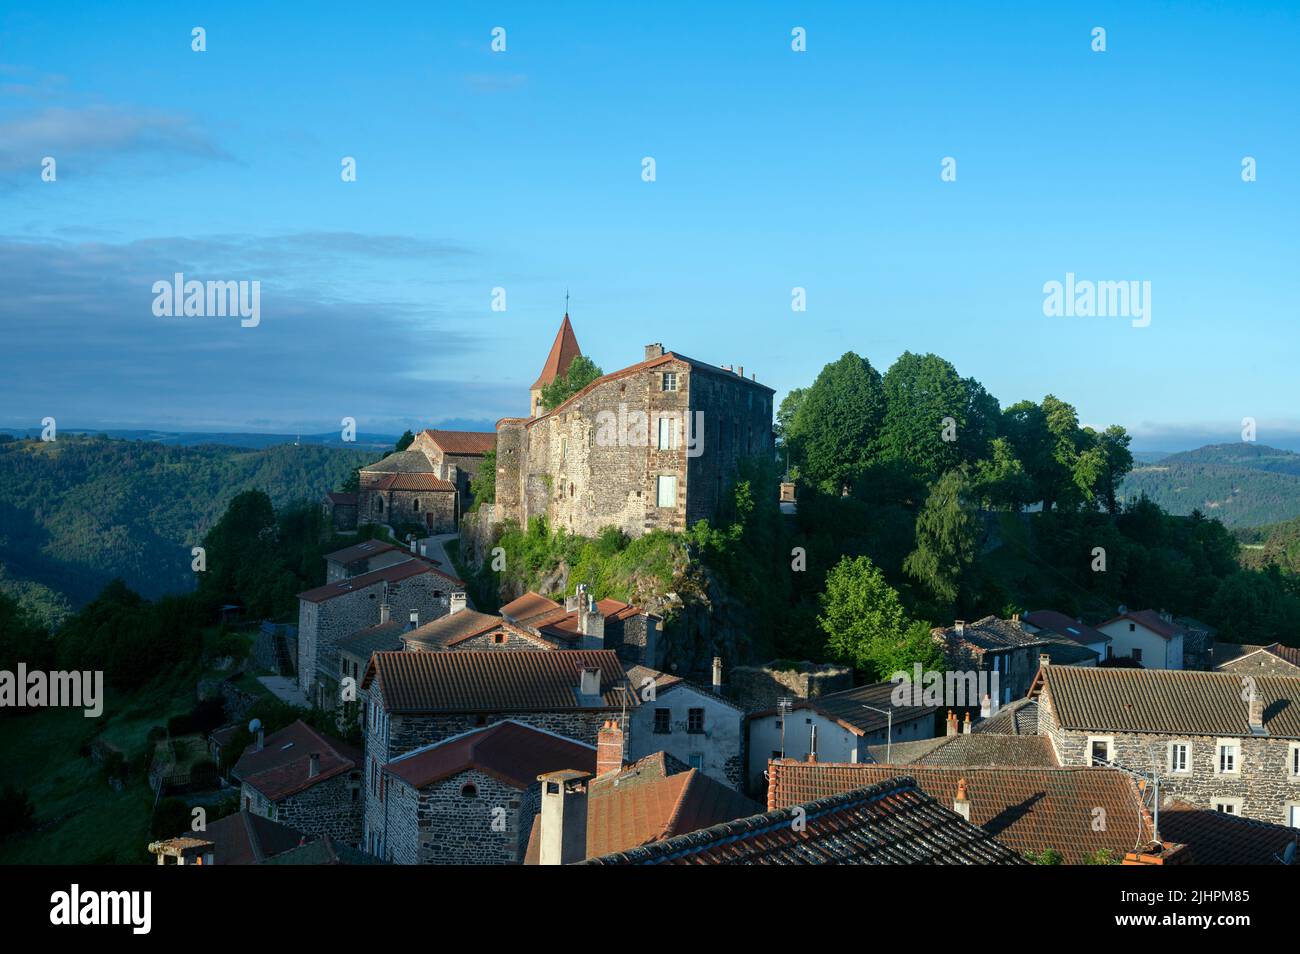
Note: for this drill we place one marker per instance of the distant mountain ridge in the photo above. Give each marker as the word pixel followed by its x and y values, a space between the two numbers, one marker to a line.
pixel 1240 484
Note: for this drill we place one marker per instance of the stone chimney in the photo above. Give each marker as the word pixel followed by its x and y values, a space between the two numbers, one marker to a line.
pixel 589 681
pixel 717 675
pixel 609 748
pixel 313 765
pixel 952 722
pixel 987 707
pixel 961 804
pixel 960 627
pixel 965 726
pixel 415 620
pixel 1044 660
pixel 591 623
pixel 562 822
pixel 457 603
pixel 655 350
pixel 385 611
pixel 1015 617
pixel 1255 709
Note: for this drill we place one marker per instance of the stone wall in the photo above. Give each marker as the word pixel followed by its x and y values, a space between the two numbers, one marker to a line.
pixel 444 824
pixel 758 687
pixel 1260 664
pixel 332 807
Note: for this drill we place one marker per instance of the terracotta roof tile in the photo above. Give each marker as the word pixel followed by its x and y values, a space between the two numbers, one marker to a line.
pixel 281 768
pixel 1151 620
pixel 508 751
pixel 463 443
pixel 563 351
pixel 389 574
pixel 428 482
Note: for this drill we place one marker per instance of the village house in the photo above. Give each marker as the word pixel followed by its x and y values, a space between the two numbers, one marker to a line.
pixel 1271 660
pixel 1152 640
pixel 340 511
pixel 625 806
pixel 471 799
pixel 417 699
pixel 699 726
pixel 839 727
pixel 1060 626
pixel 330 613
pixel 652 446
pixel 1009 648
pixel 1217 740
pixel 244 838
pixel 426 485
pixel 362 558
pixel 301 778
pixel 584 622
pixel 893 822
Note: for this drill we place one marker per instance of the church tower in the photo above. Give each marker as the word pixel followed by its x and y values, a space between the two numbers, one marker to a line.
pixel 563 351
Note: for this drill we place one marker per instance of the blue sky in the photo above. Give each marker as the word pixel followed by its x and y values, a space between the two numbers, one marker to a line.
pixel 522 170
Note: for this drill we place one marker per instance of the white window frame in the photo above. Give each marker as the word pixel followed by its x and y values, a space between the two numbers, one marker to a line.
pixel 669 382
pixel 1291 814
pixel 1187 761
pixel 666 438
pixel 1219 746
pixel 662 481
pixel 1110 747
pixel 1236 803
pixel 1293 762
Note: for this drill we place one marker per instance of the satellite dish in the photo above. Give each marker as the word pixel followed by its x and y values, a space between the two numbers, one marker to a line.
pixel 254 725
pixel 1288 854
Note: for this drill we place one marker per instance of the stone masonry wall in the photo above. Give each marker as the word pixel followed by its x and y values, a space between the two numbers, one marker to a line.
pixel 332 807
pixel 443 825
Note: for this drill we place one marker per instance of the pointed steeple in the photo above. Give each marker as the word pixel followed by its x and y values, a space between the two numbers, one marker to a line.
pixel 563 351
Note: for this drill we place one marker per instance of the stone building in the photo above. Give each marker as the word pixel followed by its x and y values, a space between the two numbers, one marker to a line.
pixel 1196 730
pixel 331 613
pixel 583 622
pixel 362 558
pixel 417 699
pixel 303 779
pixel 427 484
pixel 340 510
pixel 471 799
pixel 1010 649
pixel 700 727
pixel 1272 660
pixel 652 446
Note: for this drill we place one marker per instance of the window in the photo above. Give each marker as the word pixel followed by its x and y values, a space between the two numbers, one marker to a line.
pixel 1137 654
pixel 499 638
pixel 564 448
pixel 1293 762
pixel 695 721
pixel 1180 757
pixel 667 491
pixel 1293 815
pixel 1132 627
pixel 379 505
pixel 663 721
pixel 1229 761
pixel 670 381
pixel 415 504
pixel 1229 806
pixel 469 791
pixel 696 760
pixel 667 433
pixel 1100 749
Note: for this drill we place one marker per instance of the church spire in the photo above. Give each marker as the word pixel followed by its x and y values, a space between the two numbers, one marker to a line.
pixel 563 351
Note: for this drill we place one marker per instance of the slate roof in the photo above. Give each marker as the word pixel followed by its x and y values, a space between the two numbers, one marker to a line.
pixel 962 749
pixel 495 681
pixel 281 768
pixel 1014 718
pixel 846 708
pixel 1065 626
pixel 652 799
pixel 323 851
pixel 246 839
pixel 1213 838
pixel 382 637
pixel 990 633
pixel 401 462
pixel 508 751
pixel 389 574
pixel 1168 701
pixel 1228 652
pixel 1067 653
pixel 463 443
pixel 360 551
pixel 1025 808
pixel 893 822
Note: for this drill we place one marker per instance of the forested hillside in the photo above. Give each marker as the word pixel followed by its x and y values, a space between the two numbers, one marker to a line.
pixel 1241 485
pixel 77 512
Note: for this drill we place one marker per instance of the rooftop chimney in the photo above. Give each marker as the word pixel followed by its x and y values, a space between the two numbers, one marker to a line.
pixel 960 627
pixel 987 708
pixel 1015 617
pixel 589 681
pixel 812 744
pixel 457 603
pixel 1255 708
pixel 965 726
pixel 952 722
pixel 717 674
pixel 655 350
pixel 562 823
pixel 313 765
pixel 261 740
pixel 961 804
pixel 740 370
pixel 385 611
pixel 1044 660
pixel 609 748
pixel 591 622
pixel 415 620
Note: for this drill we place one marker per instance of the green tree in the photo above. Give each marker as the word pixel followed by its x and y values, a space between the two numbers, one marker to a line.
pixel 483 488
pixel 1000 480
pixel 946 533
pixel 403 442
pixel 865 624
pixel 581 372
pixel 833 432
pixel 928 413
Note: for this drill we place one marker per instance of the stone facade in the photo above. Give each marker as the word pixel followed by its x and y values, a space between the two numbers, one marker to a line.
pixel 322 624
pixel 616 454
pixel 332 807
pixel 1262 786
pixel 468 819
pixel 759 687
pixel 1260 663
pixel 711 741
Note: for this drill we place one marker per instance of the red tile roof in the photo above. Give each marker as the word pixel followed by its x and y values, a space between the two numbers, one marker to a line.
pixel 412 482
pixel 563 351
pixel 508 751
pixel 281 768
pixel 893 822
pixel 551 618
pixel 389 574
pixel 246 839
pixel 1151 620
pixel 1213 838
pixel 1025 808
pixel 494 681
pixel 463 443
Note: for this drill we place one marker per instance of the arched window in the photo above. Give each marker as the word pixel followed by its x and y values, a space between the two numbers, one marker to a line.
pixel 469 791
pixel 379 505
pixel 415 504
